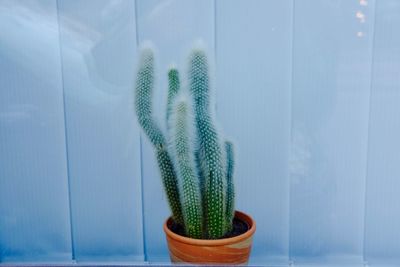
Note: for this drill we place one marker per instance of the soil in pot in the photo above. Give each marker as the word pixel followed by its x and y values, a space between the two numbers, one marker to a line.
pixel 239 227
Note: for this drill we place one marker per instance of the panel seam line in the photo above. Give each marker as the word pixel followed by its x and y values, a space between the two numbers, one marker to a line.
pixel 66 134
pixel 369 130
pixel 141 154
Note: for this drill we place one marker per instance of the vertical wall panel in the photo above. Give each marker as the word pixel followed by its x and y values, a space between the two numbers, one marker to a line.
pixel 382 240
pixel 331 82
pixel 99 52
pixel 34 208
pixel 173 26
pixel 254 47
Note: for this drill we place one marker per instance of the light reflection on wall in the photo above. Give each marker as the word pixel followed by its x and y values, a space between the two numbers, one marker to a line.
pixel 361 17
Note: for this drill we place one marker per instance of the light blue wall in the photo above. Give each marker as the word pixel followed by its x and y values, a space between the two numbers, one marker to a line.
pixel 98 50
pixel 34 206
pixel 382 240
pixel 253 104
pixel 332 57
pixel 308 90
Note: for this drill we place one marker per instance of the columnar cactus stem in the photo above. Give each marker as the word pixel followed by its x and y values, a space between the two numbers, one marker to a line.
pixel 170 183
pixel 143 98
pixel 196 168
pixel 186 169
pixel 230 190
pixel 143 104
pixel 210 150
pixel 173 89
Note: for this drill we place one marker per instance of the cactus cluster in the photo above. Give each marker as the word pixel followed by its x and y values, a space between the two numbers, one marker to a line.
pixel 196 164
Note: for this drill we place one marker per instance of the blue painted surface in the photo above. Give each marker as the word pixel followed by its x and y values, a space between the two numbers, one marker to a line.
pixel 330 111
pixel 382 240
pixel 307 89
pixel 34 209
pixel 98 55
pixel 253 98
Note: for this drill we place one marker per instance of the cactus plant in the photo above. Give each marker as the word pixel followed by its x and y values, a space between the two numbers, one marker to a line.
pixel 196 165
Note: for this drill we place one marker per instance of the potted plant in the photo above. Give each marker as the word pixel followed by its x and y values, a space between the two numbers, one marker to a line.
pixel 196 168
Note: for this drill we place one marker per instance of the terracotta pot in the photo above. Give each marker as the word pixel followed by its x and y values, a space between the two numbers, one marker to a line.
pixel 233 250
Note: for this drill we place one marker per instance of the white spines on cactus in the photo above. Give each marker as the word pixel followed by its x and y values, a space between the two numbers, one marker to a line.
pixel 182 145
pixel 230 189
pixel 210 151
pixel 143 98
pixel 144 112
pixel 196 167
pixel 174 86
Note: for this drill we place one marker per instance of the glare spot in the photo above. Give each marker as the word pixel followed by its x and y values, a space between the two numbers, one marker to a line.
pixel 360 15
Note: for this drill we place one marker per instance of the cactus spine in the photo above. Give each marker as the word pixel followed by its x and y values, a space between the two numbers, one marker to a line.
pixel 186 166
pixel 173 89
pixel 143 104
pixel 230 189
pixel 209 147
pixel 196 168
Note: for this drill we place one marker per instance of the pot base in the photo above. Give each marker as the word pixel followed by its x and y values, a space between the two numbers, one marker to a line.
pixel 233 250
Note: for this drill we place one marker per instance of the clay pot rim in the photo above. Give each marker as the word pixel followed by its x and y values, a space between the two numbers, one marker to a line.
pixel 215 242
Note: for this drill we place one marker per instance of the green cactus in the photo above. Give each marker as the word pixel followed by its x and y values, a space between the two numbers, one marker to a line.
pixel 209 149
pixel 186 166
pixel 173 89
pixel 196 167
pixel 230 189
pixel 143 104
pixel 143 98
